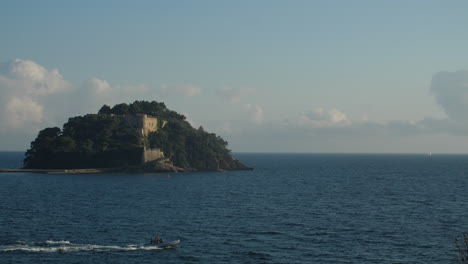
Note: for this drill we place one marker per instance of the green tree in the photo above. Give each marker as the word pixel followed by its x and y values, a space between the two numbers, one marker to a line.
pixel 42 148
pixel 121 109
pixel 105 110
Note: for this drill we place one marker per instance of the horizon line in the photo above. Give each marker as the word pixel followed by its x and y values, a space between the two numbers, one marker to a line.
pixel 324 153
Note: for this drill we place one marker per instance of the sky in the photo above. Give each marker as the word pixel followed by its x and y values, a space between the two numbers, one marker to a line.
pixel 329 76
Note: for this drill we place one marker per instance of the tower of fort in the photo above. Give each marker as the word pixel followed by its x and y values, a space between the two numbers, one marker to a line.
pixel 145 124
pixel 142 123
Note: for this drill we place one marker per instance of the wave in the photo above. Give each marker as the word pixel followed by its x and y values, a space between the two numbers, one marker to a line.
pixel 51 246
pixel 61 242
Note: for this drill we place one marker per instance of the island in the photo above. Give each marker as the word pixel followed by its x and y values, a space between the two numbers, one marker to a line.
pixel 139 137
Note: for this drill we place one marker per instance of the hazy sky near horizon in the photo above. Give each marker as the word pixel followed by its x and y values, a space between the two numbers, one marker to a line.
pixel 268 76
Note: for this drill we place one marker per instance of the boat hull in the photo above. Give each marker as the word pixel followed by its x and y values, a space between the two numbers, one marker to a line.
pixel 167 244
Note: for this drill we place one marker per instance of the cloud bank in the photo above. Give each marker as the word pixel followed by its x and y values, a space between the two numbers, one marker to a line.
pixel 26 87
pixel 34 97
pixel 320 129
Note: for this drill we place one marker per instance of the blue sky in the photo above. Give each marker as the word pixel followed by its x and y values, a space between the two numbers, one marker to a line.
pixel 282 76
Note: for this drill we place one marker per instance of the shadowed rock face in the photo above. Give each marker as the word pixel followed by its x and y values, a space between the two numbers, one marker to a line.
pixel 228 163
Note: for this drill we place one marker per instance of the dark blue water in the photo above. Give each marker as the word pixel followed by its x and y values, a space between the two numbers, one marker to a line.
pixel 293 208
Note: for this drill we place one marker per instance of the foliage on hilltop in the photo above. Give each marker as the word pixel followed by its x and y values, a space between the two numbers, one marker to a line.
pixel 82 140
pixel 87 141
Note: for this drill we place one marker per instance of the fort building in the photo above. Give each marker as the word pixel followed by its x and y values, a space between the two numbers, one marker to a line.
pixel 144 125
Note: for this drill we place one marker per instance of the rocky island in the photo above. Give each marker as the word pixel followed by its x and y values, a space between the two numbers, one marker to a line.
pixel 138 137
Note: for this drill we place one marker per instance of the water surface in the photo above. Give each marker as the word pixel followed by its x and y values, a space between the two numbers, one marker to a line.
pixel 293 208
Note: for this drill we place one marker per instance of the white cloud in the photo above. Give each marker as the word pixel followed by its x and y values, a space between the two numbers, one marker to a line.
pixel 26 89
pixel 27 77
pixel 320 117
pixel 26 70
pixel 97 86
pixel 96 92
pixel 256 113
pixel 451 93
pixel 101 91
pixel 187 90
pixel 19 111
pixel 235 95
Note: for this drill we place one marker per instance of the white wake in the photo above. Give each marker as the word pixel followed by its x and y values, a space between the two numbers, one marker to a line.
pixel 67 246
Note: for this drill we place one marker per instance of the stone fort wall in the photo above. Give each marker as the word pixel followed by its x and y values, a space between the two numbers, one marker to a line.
pixel 152 154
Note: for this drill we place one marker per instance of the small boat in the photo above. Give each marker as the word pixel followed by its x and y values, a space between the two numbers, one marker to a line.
pixel 168 244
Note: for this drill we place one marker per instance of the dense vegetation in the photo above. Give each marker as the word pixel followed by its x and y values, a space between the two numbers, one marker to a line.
pixel 104 140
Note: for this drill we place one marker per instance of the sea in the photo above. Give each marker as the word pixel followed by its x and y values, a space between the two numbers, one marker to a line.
pixel 293 208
